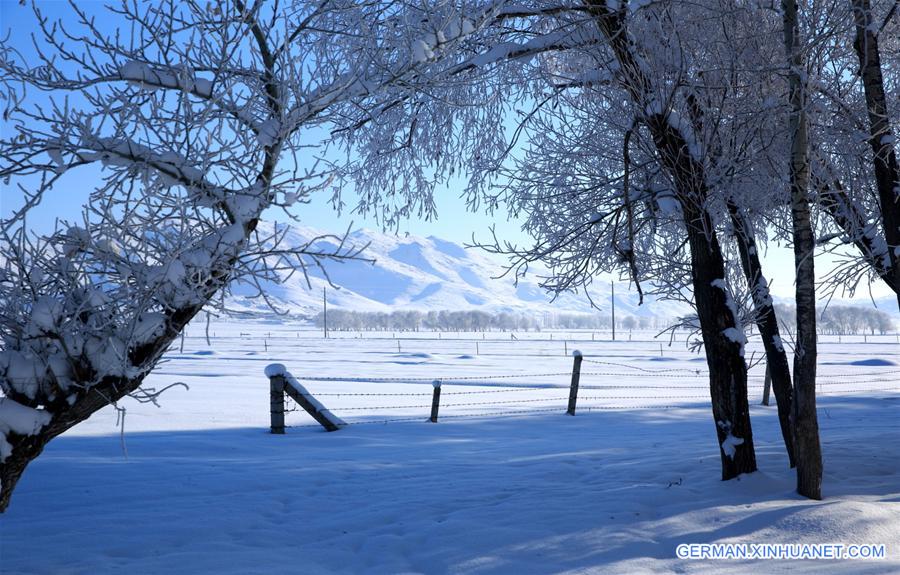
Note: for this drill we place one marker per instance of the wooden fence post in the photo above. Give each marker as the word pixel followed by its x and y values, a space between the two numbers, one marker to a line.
pixel 276 402
pixel 435 400
pixel 767 386
pixel 576 376
pixel 282 383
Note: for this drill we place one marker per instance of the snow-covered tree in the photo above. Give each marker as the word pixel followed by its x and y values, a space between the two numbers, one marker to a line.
pixel 187 119
pixel 659 140
pixel 854 167
pixel 804 421
pixel 606 162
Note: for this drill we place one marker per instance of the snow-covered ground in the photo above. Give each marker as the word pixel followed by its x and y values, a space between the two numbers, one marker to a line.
pixel 506 484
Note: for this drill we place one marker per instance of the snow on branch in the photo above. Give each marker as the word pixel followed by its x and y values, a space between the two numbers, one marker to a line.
pixel 171 167
pixel 19 419
pixel 149 77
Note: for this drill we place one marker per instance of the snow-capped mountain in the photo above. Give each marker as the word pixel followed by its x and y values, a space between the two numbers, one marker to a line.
pixel 416 273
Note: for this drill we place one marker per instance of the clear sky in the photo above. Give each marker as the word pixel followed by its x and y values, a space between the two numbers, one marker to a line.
pixel 454 222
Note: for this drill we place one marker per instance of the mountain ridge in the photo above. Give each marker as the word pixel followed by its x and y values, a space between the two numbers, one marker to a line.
pixel 434 274
pixel 427 274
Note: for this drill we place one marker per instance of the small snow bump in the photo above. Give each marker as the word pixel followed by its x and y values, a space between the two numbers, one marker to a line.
pixel 268 132
pixel 779 344
pixel 728 446
pixel 274 369
pixel 421 52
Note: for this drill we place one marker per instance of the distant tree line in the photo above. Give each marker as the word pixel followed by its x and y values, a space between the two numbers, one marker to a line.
pixel 842 320
pixel 476 320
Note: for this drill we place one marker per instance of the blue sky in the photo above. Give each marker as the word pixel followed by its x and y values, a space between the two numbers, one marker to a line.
pixel 454 222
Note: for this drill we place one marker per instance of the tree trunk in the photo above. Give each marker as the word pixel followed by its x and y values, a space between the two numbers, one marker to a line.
pixel 24 451
pixel 806 425
pixel 26 448
pixel 767 322
pixel 851 218
pixel 718 324
pixel 887 173
pixel 724 355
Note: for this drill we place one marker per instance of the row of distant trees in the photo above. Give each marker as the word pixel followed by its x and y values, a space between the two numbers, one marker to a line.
pixel 834 320
pixel 475 320
pixel 842 320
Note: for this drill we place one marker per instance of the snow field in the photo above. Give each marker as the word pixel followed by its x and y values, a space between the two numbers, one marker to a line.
pixel 206 489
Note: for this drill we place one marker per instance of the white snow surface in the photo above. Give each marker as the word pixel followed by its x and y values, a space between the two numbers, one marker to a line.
pixel 205 488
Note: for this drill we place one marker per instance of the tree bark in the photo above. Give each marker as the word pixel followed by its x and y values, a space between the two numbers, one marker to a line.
pixel 26 448
pixel 767 322
pixel 724 355
pixel 884 157
pixel 851 218
pixel 805 424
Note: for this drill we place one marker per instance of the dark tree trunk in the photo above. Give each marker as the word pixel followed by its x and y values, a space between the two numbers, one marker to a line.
pixel 767 322
pixel 851 218
pixel 14 466
pixel 887 173
pixel 778 369
pixel 805 424
pixel 26 448
pixel 724 355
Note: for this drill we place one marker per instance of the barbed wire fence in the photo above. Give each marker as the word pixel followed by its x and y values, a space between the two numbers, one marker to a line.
pixel 506 393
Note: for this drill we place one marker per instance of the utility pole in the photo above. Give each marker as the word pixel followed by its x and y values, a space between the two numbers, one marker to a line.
pixel 325 312
pixel 613 300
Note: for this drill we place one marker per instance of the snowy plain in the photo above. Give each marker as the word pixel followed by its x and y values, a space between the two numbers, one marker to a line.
pixel 506 484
